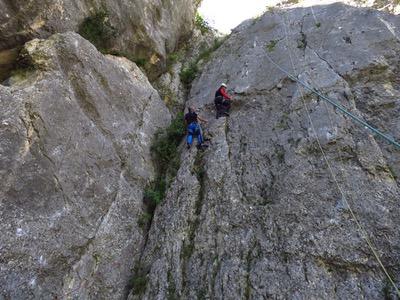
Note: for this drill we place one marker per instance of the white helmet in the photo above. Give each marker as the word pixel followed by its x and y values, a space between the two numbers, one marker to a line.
pixel 224 85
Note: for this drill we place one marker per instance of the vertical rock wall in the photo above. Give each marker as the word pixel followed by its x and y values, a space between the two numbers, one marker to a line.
pixel 262 214
pixel 145 29
pixel 76 129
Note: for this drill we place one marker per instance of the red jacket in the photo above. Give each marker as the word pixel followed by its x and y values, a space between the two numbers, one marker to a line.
pixel 223 92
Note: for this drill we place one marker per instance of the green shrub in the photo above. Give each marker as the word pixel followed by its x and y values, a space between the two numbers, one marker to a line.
pixel 98 30
pixel 144 220
pixel 154 194
pixel 165 144
pixel 172 59
pixel 271 46
pixel 141 62
pixel 202 24
pixel 139 281
pixel 166 158
pixel 206 54
pixel 189 73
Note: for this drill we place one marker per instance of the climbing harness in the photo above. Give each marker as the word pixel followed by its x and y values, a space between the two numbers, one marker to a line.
pixel 344 110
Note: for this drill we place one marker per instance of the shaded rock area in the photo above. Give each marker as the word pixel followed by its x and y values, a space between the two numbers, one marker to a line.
pixel 173 91
pixel 147 30
pixel 263 213
pixel 75 134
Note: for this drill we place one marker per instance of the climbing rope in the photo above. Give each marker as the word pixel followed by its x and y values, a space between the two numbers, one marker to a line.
pixel 341 108
pixel 338 106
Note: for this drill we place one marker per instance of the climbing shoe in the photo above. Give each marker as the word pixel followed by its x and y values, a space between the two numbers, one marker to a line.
pixel 188 146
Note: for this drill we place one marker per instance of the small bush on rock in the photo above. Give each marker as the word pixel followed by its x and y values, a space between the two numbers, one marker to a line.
pixel 189 73
pixel 202 24
pixel 166 157
pixel 271 46
pixel 139 281
pixel 98 30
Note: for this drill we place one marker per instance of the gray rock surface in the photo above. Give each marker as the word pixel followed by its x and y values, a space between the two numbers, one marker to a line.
pixel 171 88
pixel 147 29
pixel 75 134
pixel 260 214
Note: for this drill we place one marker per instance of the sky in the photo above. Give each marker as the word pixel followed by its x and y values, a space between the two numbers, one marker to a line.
pixel 225 15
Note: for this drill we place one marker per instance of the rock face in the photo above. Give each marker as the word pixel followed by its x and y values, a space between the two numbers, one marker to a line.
pixel 280 206
pixel 170 86
pixel 263 214
pixel 145 29
pixel 75 134
pixel 392 6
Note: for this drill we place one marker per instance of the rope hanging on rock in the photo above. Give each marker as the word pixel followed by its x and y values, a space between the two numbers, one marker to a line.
pixel 344 110
pixel 338 106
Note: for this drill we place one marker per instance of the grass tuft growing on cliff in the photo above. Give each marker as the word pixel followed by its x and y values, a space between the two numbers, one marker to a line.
pixel 271 46
pixel 202 24
pixel 189 73
pixel 139 281
pixel 98 30
pixel 167 161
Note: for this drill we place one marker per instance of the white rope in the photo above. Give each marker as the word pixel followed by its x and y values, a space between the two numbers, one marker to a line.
pixel 359 226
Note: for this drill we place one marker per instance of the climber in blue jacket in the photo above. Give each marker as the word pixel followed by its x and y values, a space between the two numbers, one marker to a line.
pixel 192 120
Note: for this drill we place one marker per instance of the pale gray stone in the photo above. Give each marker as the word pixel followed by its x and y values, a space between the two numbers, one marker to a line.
pixel 265 219
pixel 76 130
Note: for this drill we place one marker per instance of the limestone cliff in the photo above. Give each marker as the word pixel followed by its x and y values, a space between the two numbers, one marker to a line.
pixel 144 29
pixel 261 214
pixel 266 212
pixel 76 129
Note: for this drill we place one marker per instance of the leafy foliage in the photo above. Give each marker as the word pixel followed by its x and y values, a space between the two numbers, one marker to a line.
pixel 166 157
pixel 202 24
pixel 139 282
pixel 189 73
pixel 98 30
pixel 144 220
pixel 206 53
pixel 172 59
pixel 166 143
pixel 271 46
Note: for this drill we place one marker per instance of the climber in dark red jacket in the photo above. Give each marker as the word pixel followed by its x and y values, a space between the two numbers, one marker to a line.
pixel 222 101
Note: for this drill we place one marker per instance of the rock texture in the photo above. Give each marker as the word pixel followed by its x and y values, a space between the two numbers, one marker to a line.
pixel 170 86
pixel 262 213
pixel 145 29
pixel 392 6
pixel 75 134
